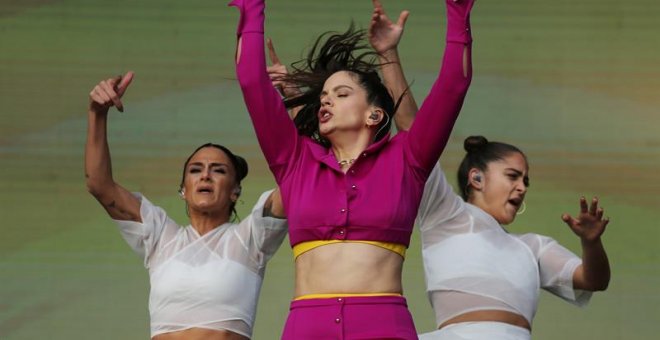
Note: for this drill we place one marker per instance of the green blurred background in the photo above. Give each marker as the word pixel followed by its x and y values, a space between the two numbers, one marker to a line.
pixel 574 83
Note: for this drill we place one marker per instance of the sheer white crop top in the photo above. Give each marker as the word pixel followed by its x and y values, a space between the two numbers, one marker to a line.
pixel 471 263
pixel 210 281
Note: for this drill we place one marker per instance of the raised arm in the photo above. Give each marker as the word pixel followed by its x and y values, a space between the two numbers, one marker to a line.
pixel 275 131
pixel 433 123
pixel 117 201
pixel 384 37
pixel 589 225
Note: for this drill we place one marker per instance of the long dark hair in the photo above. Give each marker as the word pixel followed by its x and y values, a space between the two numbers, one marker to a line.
pixel 240 169
pixel 480 152
pixel 333 52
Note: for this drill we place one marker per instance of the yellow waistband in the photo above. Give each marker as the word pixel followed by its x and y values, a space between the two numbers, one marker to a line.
pixel 303 247
pixel 338 295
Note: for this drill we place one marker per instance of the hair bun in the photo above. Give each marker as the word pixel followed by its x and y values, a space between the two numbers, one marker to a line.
pixel 241 167
pixel 475 143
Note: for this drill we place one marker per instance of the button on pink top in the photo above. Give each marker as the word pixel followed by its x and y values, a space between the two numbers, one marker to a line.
pixel 377 199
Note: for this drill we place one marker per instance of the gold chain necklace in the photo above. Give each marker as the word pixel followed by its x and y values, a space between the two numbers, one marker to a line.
pixel 345 162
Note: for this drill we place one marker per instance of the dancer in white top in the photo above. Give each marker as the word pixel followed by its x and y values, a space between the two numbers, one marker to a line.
pixel 205 277
pixel 484 282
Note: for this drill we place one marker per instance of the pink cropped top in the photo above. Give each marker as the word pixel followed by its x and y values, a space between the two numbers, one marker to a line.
pixel 377 199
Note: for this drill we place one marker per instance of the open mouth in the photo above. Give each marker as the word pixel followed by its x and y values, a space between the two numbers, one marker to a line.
pixel 516 202
pixel 324 115
pixel 205 190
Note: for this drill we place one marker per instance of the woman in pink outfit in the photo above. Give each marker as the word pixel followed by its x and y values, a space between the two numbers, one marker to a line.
pixel 350 191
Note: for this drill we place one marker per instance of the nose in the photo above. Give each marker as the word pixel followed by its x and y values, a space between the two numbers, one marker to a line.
pixel 206 174
pixel 325 101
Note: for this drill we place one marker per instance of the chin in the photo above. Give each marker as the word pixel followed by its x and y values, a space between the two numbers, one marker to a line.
pixel 203 205
pixel 506 220
pixel 324 131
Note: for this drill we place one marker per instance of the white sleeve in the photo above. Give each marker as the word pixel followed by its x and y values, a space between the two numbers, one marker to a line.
pixel 144 237
pixel 557 265
pixel 265 233
pixel 439 203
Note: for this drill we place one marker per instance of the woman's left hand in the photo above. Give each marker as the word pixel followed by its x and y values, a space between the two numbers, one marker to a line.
pixel 589 224
pixel 277 72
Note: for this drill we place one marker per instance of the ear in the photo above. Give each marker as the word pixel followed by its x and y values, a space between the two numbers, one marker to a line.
pixel 476 179
pixel 182 193
pixel 236 193
pixel 375 116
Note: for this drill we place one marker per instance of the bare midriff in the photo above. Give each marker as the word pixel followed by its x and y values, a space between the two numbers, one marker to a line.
pixel 490 315
pixel 200 334
pixel 348 268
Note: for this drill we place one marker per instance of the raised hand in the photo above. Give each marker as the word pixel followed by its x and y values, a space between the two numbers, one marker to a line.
pixel 276 69
pixel 384 35
pixel 108 93
pixel 276 72
pixel 589 224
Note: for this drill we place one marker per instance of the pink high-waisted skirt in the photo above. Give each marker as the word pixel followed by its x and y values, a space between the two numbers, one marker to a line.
pixel 350 318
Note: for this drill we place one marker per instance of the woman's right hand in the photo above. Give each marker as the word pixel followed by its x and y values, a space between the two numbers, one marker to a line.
pixel 108 93
pixel 384 35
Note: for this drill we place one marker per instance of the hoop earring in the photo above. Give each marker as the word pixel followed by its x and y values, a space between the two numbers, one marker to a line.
pixel 524 207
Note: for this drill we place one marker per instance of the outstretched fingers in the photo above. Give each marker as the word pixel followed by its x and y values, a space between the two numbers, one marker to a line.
pixel 274 59
pixel 589 224
pixel 378 7
pixel 569 220
pixel 583 205
pixel 593 209
pixel 403 17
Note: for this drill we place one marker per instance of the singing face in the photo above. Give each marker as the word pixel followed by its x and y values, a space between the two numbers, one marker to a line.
pixel 210 184
pixel 503 187
pixel 344 105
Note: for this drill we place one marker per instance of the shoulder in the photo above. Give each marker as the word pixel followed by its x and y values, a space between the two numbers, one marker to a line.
pixel 532 238
pixel 537 243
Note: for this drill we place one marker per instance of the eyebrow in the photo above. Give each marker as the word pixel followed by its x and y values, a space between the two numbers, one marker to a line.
pixel 202 164
pixel 324 92
pixel 518 172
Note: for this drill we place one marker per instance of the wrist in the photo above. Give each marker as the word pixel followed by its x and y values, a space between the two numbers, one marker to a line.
pixel 590 242
pixel 94 113
pixel 390 54
pixel 458 21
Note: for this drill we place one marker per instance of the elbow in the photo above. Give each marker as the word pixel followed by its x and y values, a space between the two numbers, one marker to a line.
pixel 96 188
pixel 598 286
pixel 93 188
pixel 602 286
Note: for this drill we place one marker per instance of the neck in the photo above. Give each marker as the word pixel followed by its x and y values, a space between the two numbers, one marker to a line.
pixel 477 202
pixel 204 222
pixel 348 147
